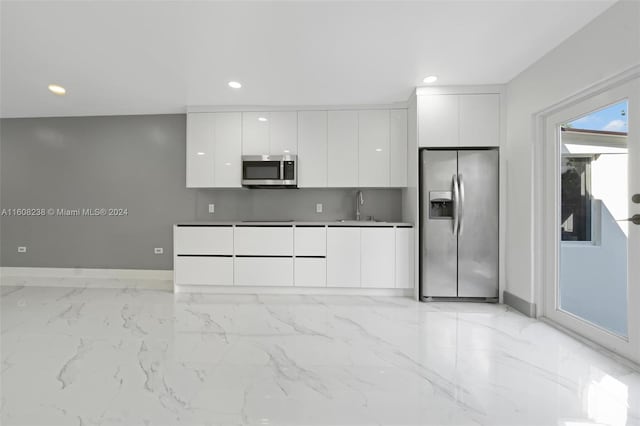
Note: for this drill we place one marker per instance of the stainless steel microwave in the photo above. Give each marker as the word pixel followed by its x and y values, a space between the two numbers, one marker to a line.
pixel 270 171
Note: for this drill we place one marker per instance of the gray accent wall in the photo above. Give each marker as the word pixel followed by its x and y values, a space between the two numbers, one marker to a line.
pixel 135 163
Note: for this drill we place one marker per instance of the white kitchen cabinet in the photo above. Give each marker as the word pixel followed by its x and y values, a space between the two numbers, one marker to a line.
pixel 200 150
pixel 211 240
pixel 373 148
pixel 342 152
pixel 270 133
pixel 405 267
pixel 263 240
pixel 283 133
pixel 310 241
pixel 459 120
pixel 213 150
pixel 479 120
pixel 377 248
pixel 310 272
pixel 203 270
pixel 438 120
pixel 255 133
pixel 263 271
pixel 312 149
pixel 343 257
pixel 398 148
pixel 228 150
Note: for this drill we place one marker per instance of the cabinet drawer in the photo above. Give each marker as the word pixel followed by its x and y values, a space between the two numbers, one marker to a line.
pixel 196 270
pixel 263 271
pixel 203 240
pixel 311 241
pixel 310 272
pixel 264 241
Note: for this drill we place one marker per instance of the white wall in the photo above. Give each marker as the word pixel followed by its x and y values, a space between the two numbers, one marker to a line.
pixel 606 46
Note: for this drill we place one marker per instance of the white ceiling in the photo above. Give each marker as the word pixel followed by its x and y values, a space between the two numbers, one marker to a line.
pixel 143 57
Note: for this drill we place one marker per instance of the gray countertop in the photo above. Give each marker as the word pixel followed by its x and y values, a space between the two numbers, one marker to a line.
pixel 351 223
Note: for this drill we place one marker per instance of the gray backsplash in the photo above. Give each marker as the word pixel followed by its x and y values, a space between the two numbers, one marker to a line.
pixel 137 163
pixel 297 204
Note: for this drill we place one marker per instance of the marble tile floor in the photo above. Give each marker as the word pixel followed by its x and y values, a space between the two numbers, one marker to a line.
pixel 141 357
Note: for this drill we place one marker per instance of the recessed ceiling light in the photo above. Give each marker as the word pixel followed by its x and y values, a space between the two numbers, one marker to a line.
pixel 227 164
pixel 57 89
pixel 200 153
pixel 431 79
pixel 234 85
pixel 286 151
pixel 262 119
pixel 378 149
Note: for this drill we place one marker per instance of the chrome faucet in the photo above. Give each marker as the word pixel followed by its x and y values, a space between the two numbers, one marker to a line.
pixel 359 202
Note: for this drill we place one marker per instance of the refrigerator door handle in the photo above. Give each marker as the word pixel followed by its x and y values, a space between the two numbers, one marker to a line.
pixel 456 204
pixel 461 206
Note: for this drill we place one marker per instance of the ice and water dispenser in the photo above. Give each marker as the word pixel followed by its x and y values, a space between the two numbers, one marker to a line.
pixel 440 205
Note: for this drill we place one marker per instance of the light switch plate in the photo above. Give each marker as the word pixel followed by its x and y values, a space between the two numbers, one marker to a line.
pixel 319 208
pixel 212 208
pixel 158 250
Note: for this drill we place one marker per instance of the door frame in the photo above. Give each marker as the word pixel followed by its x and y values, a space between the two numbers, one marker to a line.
pixel 546 204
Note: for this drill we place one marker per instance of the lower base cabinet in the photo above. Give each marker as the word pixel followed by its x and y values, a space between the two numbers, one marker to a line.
pixel 310 272
pixel 378 257
pixel 263 271
pixel 343 257
pixel 203 270
pixel 316 256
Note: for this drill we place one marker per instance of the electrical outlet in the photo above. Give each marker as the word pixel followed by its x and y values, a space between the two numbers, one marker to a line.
pixel 158 250
pixel 212 208
pixel 319 208
pixel 22 249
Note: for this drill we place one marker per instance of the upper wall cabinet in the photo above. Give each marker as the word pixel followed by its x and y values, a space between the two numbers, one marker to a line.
pixel 373 148
pixel 336 149
pixel 342 150
pixel 213 150
pixel 479 120
pixel 312 149
pixel 269 133
pixel 469 120
pixel 398 148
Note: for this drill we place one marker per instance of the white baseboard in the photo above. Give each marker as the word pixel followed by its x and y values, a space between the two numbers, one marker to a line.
pixel 161 280
pixel 397 292
pixel 87 278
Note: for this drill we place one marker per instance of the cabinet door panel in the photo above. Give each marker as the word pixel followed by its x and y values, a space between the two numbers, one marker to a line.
pixel 204 270
pixel 342 148
pixel 378 257
pixel 404 258
pixel 310 272
pixel 398 148
pixel 373 148
pixel 263 241
pixel 480 120
pixel 200 150
pixel 283 133
pixel 312 149
pixel 255 133
pixel 203 240
pixel 228 148
pixel 343 257
pixel 438 118
pixel 261 271
pixel 310 241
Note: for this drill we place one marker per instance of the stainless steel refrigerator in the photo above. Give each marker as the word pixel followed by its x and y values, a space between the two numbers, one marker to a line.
pixel 459 207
